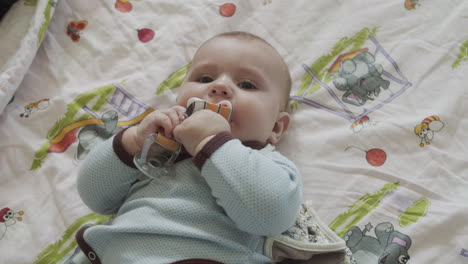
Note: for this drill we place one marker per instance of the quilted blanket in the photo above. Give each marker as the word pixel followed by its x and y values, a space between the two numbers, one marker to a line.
pixel 378 106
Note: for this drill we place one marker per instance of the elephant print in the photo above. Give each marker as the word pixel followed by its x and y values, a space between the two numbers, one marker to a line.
pixel 387 247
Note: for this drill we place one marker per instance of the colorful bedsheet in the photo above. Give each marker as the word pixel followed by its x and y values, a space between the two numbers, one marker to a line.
pixel 379 107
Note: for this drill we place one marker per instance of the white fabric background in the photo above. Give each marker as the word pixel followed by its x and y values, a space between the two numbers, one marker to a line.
pixel 424 42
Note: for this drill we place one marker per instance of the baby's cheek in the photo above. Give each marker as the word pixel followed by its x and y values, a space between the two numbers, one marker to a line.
pixel 181 101
pixel 254 121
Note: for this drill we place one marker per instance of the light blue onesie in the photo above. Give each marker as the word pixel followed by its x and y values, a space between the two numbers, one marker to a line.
pixel 220 212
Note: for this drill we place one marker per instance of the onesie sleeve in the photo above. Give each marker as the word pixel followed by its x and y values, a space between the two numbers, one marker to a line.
pixel 104 179
pixel 260 191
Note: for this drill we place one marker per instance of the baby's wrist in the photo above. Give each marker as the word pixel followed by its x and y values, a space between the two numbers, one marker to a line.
pixel 211 145
pixel 129 141
pixel 202 144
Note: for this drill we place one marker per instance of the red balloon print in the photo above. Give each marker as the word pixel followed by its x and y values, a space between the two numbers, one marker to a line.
pixel 227 9
pixel 375 157
pixel 123 6
pixel 145 34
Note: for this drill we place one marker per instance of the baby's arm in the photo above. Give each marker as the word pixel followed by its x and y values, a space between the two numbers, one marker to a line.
pixel 108 173
pixel 104 180
pixel 260 192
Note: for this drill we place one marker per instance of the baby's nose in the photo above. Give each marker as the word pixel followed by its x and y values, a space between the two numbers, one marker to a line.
pixel 220 89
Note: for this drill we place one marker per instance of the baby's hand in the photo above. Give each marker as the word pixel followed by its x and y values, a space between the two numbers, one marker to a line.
pixel 196 130
pixel 159 121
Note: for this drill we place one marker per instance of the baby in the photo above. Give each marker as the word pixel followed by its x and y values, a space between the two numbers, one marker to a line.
pixel 227 192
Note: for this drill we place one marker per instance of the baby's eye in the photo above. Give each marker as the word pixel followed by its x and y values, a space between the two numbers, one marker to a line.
pixel 205 79
pixel 248 85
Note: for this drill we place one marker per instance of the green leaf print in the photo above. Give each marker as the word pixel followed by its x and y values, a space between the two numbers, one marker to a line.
pixel 47 15
pixel 94 99
pixel 361 208
pixel 30 2
pixel 58 250
pixel 413 213
pixel 462 55
pixel 174 80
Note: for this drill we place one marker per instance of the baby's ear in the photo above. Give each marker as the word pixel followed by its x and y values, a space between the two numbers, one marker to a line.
pixel 281 126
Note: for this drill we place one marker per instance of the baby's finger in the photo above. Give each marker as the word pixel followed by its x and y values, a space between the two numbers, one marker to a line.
pixel 166 123
pixel 180 111
pixel 149 124
pixel 174 117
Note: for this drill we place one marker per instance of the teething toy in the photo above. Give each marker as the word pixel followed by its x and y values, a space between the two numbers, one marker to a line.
pixel 159 152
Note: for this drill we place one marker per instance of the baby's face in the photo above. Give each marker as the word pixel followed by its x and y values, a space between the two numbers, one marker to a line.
pixel 247 73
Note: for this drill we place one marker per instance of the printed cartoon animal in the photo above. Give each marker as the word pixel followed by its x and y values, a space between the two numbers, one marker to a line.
pixel 91 135
pixel 33 107
pixel 388 247
pixel 8 218
pixel 361 78
pixel 411 4
pixel 426 129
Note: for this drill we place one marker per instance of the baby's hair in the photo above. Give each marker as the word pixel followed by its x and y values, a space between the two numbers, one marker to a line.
pixel 250 36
